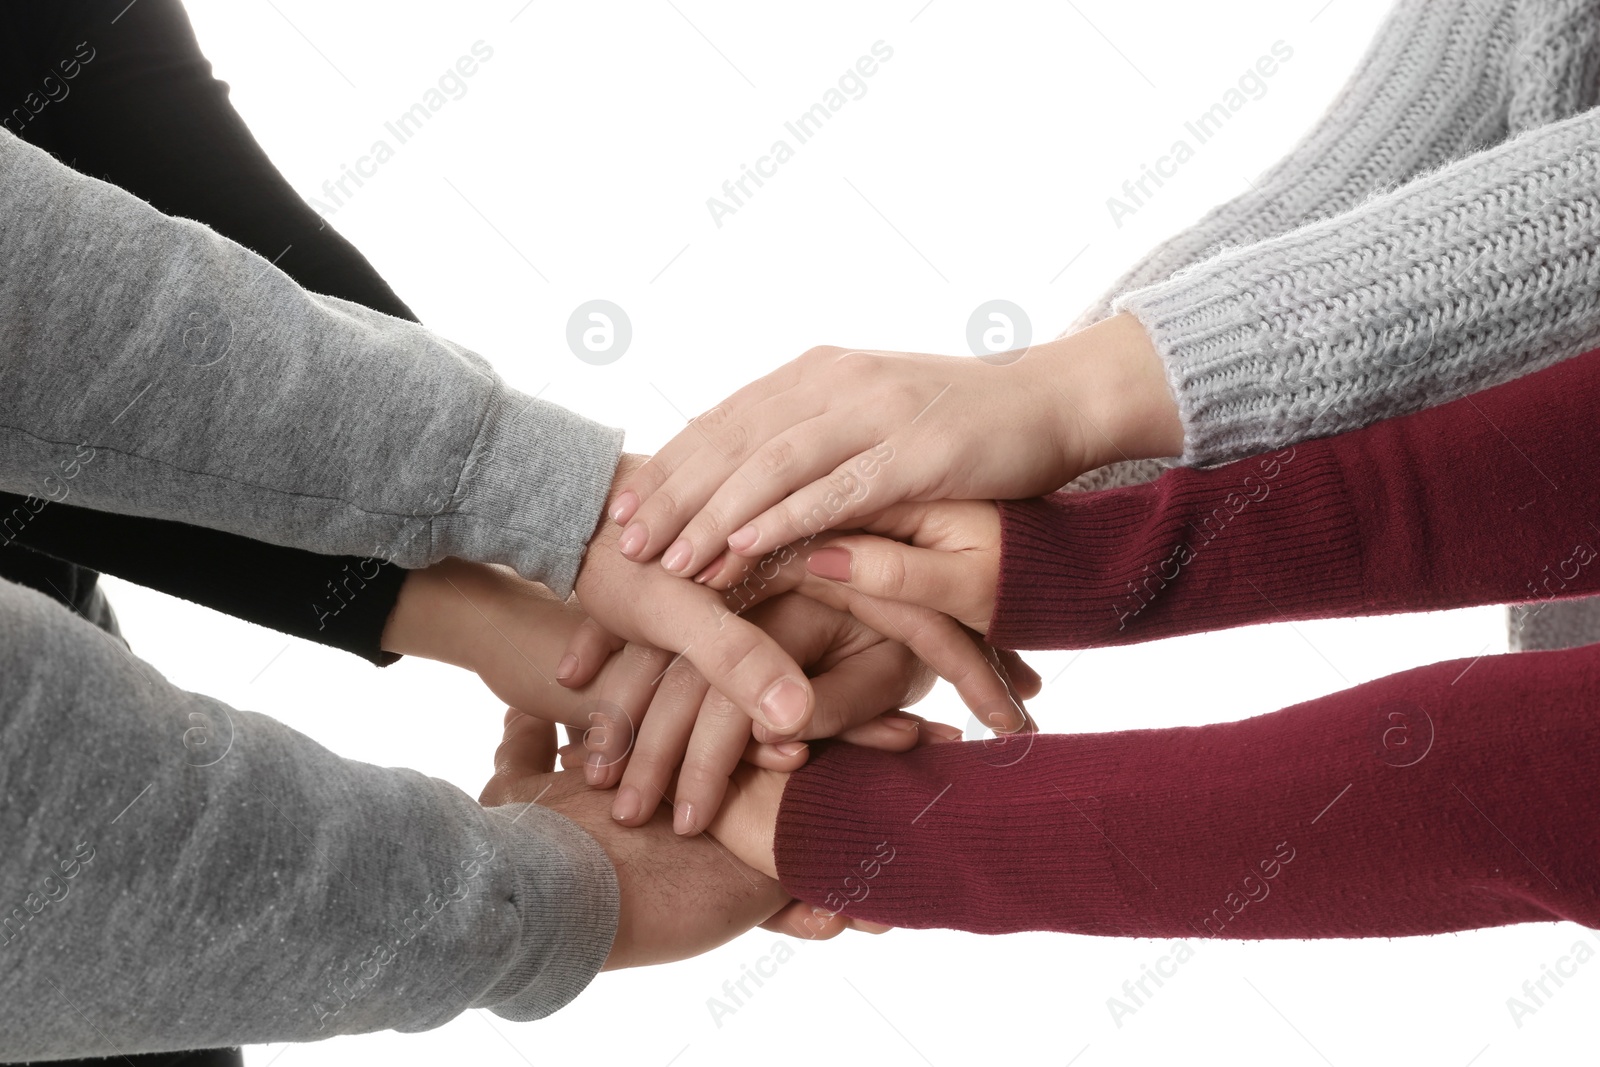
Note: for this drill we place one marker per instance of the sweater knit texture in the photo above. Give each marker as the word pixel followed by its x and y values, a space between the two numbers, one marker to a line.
pixel 1443 798
pixel 1434 234
pixel 1484 500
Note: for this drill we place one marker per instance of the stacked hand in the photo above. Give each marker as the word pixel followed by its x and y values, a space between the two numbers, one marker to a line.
pixel 844 544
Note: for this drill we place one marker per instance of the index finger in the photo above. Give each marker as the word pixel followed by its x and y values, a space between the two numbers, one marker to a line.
pixel 695 436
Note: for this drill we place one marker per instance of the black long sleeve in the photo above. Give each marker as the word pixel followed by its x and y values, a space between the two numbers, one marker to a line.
pixel 123 93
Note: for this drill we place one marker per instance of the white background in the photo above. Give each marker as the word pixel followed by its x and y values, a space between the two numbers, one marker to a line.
pixel 977 166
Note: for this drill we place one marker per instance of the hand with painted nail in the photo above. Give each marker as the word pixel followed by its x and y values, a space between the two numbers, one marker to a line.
pixel 990 682
pixel 934 594
pixel 943 555
pixel 837 435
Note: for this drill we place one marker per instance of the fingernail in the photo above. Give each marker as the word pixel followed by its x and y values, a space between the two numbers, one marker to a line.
pixel 567 754
pixel 623 509
pixel 626 806
pixel 632 540
pixel 830 563
pixel 943 731
pixel 594 768
pixel 710 568
pixel 683 818
pixel 677 557
pixel 743 539
pixel 899 723
pixel 790 748
pixel 784 705
pixel 567 667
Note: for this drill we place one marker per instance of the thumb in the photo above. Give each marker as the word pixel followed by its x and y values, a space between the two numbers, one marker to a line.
pixel 948 582
pixel 528 747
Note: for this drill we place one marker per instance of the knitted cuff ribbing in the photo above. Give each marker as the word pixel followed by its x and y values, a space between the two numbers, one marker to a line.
pixel 1417 297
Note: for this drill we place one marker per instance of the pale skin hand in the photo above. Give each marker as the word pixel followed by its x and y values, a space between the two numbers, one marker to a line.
pixel 943 555
pixel 837 435
pixel 947 571
pixel 748 821
pixel 634 724
pixel 858 675
pixel 510 632
pixel 642 603
pixel 645 604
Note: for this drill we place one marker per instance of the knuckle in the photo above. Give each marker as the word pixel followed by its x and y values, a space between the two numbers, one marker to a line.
pixel 821 355
pixel 732 440
pixel 805 517
pixel 663 503
pixel 716 417
pixel 733 648
pixel 776 459
pixel 697 778
pixel 648 477
pixel 681 685
pixel 648 773
pixel 888 571
pixel 853 361
pixel 713 518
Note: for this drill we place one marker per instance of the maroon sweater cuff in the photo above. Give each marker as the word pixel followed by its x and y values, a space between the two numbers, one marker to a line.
pixel 1488 499
pixel 1443 798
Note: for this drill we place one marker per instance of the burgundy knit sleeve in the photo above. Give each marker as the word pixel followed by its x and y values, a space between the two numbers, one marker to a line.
pixel 1493 498
pixel 1453 796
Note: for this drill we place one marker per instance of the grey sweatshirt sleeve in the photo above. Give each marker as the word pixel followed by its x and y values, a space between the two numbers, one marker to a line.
pixel 155 368
pixel 182 874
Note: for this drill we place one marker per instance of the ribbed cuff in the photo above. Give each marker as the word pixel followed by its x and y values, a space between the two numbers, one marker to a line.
pixel 531 492
pixel 1256 541
pixel 967 836
pixel 1414 297
pixel 1213 338
pixel 567 899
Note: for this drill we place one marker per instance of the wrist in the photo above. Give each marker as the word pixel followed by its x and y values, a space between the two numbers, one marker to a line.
pixel 1119 404
pixel 459 613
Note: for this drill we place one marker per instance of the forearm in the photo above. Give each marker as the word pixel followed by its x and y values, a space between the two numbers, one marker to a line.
pixel 1464 278
pixel 511 632
pixel 250 885
pixel 1434 800
pixel 1484 500
pixel 221 394
pixel 339 601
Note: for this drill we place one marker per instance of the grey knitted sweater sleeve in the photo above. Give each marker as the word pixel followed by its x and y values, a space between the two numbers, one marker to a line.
pixel 1432 235
pixel 155 368
pixel 180 874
